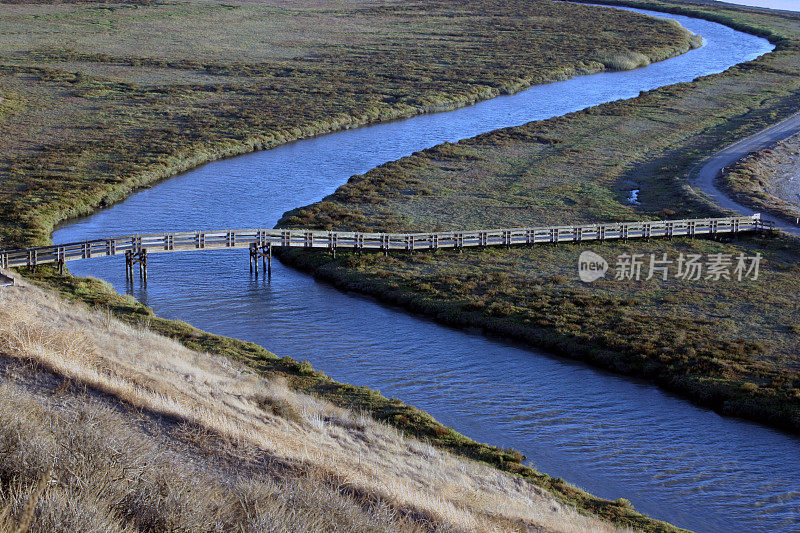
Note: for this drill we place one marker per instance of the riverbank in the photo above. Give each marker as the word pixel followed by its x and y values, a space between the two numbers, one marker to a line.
pixel 301 377
pixel 267 457
pixel 723 343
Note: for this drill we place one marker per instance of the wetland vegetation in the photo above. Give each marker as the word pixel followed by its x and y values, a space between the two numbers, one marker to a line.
pixel 726 344
pixel 102 98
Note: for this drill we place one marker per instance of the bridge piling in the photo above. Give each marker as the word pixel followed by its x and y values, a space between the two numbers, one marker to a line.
pixel 132 258
pixel 263 251
pixel 143 264
pixel 128 265
pixel 254 258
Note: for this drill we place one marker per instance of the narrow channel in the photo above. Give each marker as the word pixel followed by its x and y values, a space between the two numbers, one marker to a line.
pixel 612 436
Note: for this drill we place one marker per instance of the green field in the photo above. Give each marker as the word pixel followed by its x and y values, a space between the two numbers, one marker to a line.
pixel 727 344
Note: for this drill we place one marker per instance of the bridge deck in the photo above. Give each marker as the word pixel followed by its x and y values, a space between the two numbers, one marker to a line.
pixel 245 238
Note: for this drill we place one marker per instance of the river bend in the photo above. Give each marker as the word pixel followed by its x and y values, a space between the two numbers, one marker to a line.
pixel 612 436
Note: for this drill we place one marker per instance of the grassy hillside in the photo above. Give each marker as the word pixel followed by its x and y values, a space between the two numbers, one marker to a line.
pixel 125 429
pixel 727 344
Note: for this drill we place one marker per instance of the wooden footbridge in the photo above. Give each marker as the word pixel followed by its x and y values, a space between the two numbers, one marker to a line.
pixel 260 242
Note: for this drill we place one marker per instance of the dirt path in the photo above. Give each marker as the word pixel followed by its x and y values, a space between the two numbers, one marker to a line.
pixel 702 177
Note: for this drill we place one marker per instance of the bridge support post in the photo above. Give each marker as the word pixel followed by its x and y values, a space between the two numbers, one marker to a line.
pixel 131 258
pixel 264 252
pixel 143 265
pixel 254 251
pixel 254 258
pixel 128 265
pixel 61 266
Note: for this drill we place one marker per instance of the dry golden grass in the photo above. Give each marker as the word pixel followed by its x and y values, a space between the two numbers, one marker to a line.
pixel 23 525
pixel 116 472
pixel 211 398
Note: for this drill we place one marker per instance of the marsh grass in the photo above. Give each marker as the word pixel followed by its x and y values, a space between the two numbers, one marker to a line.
pixel 623 60
pixel 703 340
pixel 100 99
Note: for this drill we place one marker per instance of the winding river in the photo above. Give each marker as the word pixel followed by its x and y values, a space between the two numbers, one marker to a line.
pixel 612 436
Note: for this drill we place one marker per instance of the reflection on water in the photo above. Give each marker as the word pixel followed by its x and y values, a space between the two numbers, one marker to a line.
pixel 612 436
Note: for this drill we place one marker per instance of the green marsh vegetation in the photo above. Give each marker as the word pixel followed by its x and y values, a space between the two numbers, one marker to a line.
pixel 101 98
pixel 727 344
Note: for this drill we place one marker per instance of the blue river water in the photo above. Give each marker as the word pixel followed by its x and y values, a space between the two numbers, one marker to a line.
pixel 610 435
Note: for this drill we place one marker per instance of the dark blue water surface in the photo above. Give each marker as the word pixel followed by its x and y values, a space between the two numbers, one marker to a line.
pixel 612 436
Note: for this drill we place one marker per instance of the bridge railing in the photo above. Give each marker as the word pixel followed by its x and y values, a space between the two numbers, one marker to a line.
pixel 299 238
